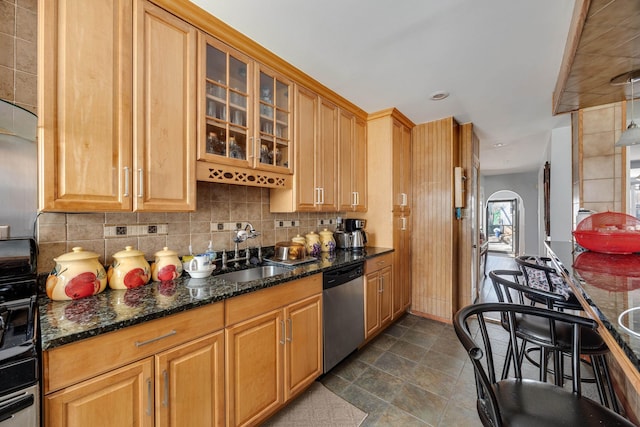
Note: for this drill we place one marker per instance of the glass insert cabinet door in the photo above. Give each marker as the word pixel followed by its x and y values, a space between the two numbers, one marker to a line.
pixel 227 105
pixel 247 111
pixel 274 118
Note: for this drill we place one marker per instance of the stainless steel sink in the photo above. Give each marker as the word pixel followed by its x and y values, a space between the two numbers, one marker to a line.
pixel 251 274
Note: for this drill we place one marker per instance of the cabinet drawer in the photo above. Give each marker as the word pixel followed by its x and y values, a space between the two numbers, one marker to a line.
pixel 69 364
pixel 250 305
pixel 378 262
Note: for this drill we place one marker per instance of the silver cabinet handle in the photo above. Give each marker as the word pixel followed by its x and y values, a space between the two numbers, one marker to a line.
pixel 290 337
pixel 284 334
pixel 319 196
pixel 141 182
pixel 404 224
pixel 381 289
pixel 357 198
pixel 168 334
pixel 127 178
pixel 165 389
pixel 149 397
pixel 403 199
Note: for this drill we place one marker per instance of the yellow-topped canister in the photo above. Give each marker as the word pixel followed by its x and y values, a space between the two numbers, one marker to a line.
pixel 167 265
pixel 327 242
pixel 77 274
pixel 129 269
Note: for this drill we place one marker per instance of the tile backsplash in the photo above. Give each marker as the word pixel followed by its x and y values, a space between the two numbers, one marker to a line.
pixel 219 208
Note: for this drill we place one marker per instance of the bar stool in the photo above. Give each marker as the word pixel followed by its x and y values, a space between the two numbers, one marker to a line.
pixel 508 289
pixel 517 400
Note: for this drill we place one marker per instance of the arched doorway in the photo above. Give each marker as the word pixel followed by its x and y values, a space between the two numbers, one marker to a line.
pixel 504 214
pixel 503 211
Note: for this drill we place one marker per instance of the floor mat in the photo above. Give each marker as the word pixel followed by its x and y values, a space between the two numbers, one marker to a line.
pixel 318 406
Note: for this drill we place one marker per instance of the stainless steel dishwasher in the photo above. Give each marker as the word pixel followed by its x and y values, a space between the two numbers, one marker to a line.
pixel 343 312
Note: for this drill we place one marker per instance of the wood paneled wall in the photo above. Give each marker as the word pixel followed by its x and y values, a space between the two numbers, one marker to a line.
pixel 434 241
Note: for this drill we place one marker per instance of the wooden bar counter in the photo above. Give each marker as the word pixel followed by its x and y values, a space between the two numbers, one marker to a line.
pixel 607 286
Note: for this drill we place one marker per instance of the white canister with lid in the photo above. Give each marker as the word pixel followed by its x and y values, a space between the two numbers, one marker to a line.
pixel 167 266
pixel 327 242
pixel 77 274
pixel 129 269
pixel 313 243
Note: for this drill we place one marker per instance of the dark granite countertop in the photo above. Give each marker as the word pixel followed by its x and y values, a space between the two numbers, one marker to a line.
pixel 610 283
pixel 63 322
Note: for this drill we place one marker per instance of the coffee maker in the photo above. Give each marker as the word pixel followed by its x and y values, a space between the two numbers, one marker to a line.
pixel 352 236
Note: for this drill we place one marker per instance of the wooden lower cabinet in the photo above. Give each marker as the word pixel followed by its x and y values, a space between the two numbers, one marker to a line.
pixel 272 355
pixel 187 380
pixel 123 397
pixel 303 350
pixel 190 383
pixel 160 373
pixel 378 292
pixel 402 264
pixel 187 369
pixel 254 368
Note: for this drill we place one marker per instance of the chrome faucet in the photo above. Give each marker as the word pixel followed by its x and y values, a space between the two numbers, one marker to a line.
pixel 240 236
pixel 252 231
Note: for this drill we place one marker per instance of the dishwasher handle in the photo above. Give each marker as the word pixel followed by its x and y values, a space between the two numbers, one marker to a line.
pixel 339 276
pixel 14 406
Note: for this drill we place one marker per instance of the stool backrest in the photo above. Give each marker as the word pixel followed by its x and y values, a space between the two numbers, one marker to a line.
pixel 473 324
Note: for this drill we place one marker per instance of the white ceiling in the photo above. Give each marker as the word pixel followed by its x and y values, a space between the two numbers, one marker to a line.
pixel 499 59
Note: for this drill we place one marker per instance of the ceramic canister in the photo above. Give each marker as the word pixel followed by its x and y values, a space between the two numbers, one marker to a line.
pixel 327 242
pixel 129 269
pixel 167 266
pixel 313 243
pixel 299 239
pixel 77 274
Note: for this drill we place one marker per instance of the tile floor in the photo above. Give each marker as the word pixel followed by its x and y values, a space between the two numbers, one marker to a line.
pixel 416 373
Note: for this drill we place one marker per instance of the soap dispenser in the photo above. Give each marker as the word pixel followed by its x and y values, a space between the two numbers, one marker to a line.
pixel 210 252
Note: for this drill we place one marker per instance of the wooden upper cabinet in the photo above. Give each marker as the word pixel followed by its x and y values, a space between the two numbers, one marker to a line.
pixel 225 99
pixel 352 192
pixel 316 162
pixel 85 105
pixel 91 156
pixel 401 167
pixel 327 157
pixel 274 111
pixel 245 111
pixel 305 175
pixel 165 125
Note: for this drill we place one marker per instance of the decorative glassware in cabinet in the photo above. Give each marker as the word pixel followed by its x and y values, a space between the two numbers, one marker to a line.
pixel 227 86
pixel 274 116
